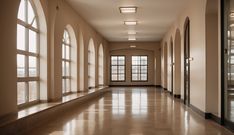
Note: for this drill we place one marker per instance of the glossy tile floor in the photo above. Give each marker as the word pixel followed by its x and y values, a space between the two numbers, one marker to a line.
pixel 131 111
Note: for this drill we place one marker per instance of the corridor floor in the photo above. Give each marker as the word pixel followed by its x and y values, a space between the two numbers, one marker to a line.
pixel 131 111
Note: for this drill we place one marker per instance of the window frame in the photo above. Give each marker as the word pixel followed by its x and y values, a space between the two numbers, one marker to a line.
pixel 147 78
pixel 64 60
pixel 26 53
pixel 117 68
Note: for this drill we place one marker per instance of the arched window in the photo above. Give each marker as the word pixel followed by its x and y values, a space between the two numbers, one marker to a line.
pixel 100 67
pixel 66 63
pixel 91 64
pixel 28 58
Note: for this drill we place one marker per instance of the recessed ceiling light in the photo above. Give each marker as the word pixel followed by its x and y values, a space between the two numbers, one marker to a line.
pixel 132 32
pixel 132 46
pixel 132 38
pixel 130 23
pixel 126 10
pixel 232 14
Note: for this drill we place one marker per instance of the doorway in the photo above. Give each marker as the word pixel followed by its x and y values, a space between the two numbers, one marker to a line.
pixel 187 62
pixel 227 66
pixel 172 68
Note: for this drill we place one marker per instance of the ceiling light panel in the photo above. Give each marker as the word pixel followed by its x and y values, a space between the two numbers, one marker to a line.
pixel 130 23
pixel 132 32
pixel 127 10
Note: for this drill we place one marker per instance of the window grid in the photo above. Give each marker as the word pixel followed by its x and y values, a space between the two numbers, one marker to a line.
pixel 66 63
pixel 118 68
pixel 27 55
pixel 139 69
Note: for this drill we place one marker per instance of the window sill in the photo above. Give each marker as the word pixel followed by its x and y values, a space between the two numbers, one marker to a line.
pixel 42 107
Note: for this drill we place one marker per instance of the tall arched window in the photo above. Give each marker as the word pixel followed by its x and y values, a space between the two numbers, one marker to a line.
pixel 28 49
pixel 66 63
pixel 91 64
pixel 100 67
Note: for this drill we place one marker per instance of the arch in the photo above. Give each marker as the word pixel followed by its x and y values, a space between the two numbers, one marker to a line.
pixel 177 66
pixel 165 60
pixel 171 66
pixel 91 64
pixel 81 63
pixel 212 56
pixel 31 53
pixel 69 48
pixel 187 61
pixel 100 66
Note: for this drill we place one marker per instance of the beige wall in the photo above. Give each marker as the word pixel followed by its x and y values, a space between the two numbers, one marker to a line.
pixel 55 22
pixel 151 49
pixel 200 73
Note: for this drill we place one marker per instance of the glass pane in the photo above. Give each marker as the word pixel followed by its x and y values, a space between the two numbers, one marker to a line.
pixel 21 12
pixel 31 13
pixel 33 93
pixel 63 69
pixel 121 69
pixel 121 62
pixel 32 66
pixel 114 61
pixel 20 37
pixel 114 78
pixel 114 70
pixel 143 69
pixel 144 61
pixel 67 69
pixel 63 51
pixel 21 93
pixel 135 69
pixel 144 77
pixel 135 77
pixel 67 52
pixel 32 41
pixel 68 88
pixel 20 65
pixel 34 23
pixel 121 77
pixel 121 58
pixel 64 85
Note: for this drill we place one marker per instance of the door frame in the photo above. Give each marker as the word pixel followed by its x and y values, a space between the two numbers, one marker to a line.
pixel 186 27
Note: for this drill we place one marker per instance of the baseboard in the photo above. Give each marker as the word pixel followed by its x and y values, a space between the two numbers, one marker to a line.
pixel 200 112
pixel 177 96
pixel 213 117
pixel 158 86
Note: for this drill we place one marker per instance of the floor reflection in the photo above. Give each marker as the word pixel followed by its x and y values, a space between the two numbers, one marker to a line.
pixel 131 111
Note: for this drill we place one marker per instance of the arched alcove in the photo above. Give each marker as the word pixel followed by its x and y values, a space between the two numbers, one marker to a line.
pixel 165 65
pixel 100 66
pixel 91 64
pixel 212 57
pixel 171 66
pixel 177 66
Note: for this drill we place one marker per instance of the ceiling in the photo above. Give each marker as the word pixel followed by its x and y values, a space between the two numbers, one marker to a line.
pixel 154 17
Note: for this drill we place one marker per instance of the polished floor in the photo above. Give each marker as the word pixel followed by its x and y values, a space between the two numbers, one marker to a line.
pixel 131 111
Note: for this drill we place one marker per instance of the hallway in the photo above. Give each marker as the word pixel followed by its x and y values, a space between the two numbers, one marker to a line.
pixel 132 111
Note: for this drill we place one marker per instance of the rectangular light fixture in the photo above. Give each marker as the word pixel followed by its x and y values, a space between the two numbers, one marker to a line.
pixel 232 14
pixel 127 10
pixel 130 23
pixel 132 38
pixel 132 33
pixel 132 46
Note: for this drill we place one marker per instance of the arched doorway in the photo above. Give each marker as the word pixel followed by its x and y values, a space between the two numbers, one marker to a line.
pixel 187 62
pixel 177 66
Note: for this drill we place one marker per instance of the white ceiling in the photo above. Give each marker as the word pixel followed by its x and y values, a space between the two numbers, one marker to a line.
pixel 154 17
